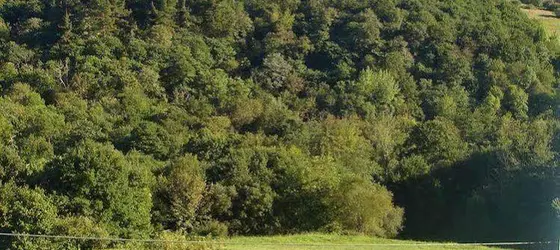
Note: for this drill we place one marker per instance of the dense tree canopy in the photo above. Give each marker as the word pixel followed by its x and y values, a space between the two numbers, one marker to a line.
pixel 420 118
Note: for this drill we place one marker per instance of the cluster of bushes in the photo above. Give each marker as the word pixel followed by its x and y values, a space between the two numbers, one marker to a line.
pixel 182 118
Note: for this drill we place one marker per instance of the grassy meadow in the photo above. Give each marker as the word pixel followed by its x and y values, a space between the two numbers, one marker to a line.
pixel 335 242
pixel 550 22
pixel 316 241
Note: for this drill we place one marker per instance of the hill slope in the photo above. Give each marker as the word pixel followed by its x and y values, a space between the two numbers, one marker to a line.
pixel 430 119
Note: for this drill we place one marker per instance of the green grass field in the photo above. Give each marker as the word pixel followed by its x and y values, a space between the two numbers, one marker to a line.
pixel 336 242
pixel 549 21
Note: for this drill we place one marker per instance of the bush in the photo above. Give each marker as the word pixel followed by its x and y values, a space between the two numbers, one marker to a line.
pixel 180 192
pixel 80 226
pixel 368 208
pixel 106 186
pixel 26 210
pixel 516 2
pixel 537 3
pixel 212 229
pixel 172 236
pixel 557 11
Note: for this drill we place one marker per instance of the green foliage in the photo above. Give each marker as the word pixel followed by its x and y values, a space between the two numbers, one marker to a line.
pixel 367 208
pixel 533 2
pixel 80 226
pixel 150 138
pixel 104 186
pixel 176 118
pixel 440 142
pixel 180 192
pixel 26 210
pixel 277 74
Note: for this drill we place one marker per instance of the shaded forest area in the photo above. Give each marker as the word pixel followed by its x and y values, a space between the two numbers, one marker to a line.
pixel 425 119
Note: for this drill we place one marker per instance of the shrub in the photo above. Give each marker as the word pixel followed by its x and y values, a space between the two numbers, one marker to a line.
pixel 180 192
pixel 368 208
pixel 26 210
pixel 212 228
pixel 172 244
pixel 106 186
pixel 557 11
pixel 536 3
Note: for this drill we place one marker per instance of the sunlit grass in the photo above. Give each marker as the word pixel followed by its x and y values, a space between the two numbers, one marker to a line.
pixel 336 242
pixel 548 19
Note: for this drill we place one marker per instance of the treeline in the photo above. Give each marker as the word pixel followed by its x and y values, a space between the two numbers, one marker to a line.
pixel 136 118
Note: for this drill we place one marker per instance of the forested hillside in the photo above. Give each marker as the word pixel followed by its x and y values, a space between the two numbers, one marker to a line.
pixel 427 119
